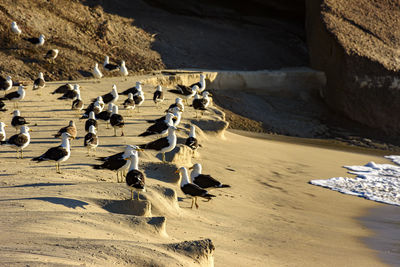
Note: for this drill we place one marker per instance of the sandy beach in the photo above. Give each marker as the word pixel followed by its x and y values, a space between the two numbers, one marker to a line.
pixel 271 216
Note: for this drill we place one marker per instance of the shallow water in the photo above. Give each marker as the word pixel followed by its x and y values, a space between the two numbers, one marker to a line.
pixel 385 222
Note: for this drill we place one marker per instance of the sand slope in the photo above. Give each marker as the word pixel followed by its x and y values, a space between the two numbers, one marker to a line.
pixel 270 216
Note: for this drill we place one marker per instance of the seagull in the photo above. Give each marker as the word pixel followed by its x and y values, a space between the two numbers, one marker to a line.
pixel 96 106
pixel 58 154
pixel 160 127
pixel 70 129
pixel 116 162
pixel 105 115
pixel 204 180
pixel 129 103
pixel 39 83
pixel 6 84
pixel 109 67
pixel 77 104
pixel 36 41
pixel 111 97
pixel 96 72
pixel 15 29
pixel 52 54
pixel 193 190
pixel 71 94
pixel 91 141
pixel 123 70
pixel 201 103
pixel 163 145
pixel 158 96
pixel 191 141
pixel 2 131
pixel 17 121
pixel 91 121
pixel 186 90
pixel 63 89
pixel 133 90
pixel 117 121
pixel 139 98
pixel 178 103
pixel 16 96
pixel 201 84
pixel 135 179
pixel 19 141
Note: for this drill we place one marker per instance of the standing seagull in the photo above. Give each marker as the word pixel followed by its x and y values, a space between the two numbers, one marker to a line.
pixel 116 162
pixel 90 122
pixel 192 190
pixel 135 179
pixel 2 131
pixel 58 154
pixel 6 84
pixel 109 67
pixel 201 103
pixel 178 103
pixel 91 140
pixel 163 145
pixel 129 103
pixel 204 180
pixel 158 96
pixel 70 129
pixel 36 41
pixel 123 70
pixel 117 121
pixel 96 72
pixel 139 98
pixel 77 104
pixel 19 141
pixel 15 29
pixel 191 141
pixel 39 83
pixel 133 90
pixel 111 97
pixel 17 121
pixel 187 97
pixel 160 127
pixel 51 54
pixel 15 97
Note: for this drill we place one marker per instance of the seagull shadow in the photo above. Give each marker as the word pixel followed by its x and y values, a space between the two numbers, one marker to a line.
pixel 37 185
pixel 66 202
pixel 85 73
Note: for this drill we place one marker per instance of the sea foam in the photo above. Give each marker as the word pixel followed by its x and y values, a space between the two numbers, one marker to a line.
pixel 377 182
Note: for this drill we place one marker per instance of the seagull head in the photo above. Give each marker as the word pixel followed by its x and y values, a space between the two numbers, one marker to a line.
pixel 8 78
pixel 114 90
pixel 25 129
pixel 110 107
pixel 20 88
pixel 159 88
pixel 91 115
pixel 196 168
pixel 76 87
pixel 41 75
pixel 115 109
pixel 16 113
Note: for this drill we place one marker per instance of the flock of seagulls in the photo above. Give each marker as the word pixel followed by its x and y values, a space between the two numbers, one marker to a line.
pixel 105 108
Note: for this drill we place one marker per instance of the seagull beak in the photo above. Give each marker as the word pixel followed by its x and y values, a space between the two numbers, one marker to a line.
pixel 210 94
pixel 177 171
pixel 139 149
pixel 5 125
pixel 191 168
pixel 30 130
pixel 126 158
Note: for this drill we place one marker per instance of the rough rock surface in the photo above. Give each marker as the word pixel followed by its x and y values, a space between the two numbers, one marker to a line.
pixel 356 43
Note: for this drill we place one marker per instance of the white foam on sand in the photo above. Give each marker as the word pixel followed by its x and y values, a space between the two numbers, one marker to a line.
pixel 377 182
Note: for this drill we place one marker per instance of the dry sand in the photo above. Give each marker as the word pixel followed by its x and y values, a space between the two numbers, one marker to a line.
pixel 270 217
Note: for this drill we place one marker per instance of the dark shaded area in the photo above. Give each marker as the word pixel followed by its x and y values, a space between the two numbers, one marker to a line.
pixel 67 202
pixel 219 34
pixel 37 185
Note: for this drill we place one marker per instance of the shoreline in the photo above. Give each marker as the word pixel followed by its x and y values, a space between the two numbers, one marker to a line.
pixel 383 219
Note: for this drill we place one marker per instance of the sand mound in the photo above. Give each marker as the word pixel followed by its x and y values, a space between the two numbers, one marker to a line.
pixel 201 250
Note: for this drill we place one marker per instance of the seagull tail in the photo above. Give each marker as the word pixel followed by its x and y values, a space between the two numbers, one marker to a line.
pixel 144 146
pixel 175 91
pixel 223 186
pixel 38 159
pixel 150 121
pixel 208 196
pixel 3 142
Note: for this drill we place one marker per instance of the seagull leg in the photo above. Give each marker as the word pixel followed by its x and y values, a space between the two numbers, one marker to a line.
pixel 192 203
pixel 163 157
pixel 122 132
pixel 131 194
pixel 117 177
pixel 17 154
pixel 22 156
pixel 115 131
pixel 195 202
pixel 107 125
pixel 137 192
